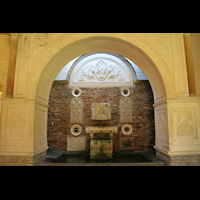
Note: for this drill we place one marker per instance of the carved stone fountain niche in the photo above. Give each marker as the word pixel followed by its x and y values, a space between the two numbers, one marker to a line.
pixel 101 137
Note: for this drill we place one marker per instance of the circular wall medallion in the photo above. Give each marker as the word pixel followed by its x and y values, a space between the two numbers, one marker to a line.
pixel 158 39
pixel 125 92
pixel 42 39
pixel 76 130
pixel 126 129
pixel 76 92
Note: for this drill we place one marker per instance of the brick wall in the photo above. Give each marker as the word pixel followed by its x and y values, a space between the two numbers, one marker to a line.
pixel 143 114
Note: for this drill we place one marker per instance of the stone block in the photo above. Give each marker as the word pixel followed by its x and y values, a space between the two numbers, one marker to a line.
pixel 76 143
pixel 101 149
pixel 127 144
pixel 101 111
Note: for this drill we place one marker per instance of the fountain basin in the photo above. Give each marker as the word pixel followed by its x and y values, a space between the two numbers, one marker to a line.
pixel 101 142
pixel 101 149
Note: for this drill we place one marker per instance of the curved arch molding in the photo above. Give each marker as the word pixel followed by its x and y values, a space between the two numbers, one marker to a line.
pixel 51 58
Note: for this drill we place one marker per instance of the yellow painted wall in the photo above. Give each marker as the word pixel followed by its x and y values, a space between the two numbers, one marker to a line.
pixel 4 60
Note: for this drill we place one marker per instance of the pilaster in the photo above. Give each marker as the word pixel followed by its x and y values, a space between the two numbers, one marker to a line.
pixel 20 132
pixel 178 131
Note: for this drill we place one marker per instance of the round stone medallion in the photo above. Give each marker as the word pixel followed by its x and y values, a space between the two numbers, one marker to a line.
pixel 76 130
pixel 76 92
pixel 158 39
pixel 126 129
pixel 42 39
pixel 125 92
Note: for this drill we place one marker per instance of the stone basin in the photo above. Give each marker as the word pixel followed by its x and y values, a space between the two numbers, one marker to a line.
pixel 109 130
pixel 101 143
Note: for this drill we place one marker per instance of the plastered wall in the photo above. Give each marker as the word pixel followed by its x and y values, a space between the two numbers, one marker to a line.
pixel 195 44
pixel 4 60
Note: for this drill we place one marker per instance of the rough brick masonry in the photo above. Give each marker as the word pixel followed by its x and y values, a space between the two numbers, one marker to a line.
pixel 143 114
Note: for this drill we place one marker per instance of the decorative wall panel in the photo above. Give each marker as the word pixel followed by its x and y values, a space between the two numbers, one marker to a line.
pixel 102 70
pixel 40 123
pixel 76 143
pixel 101 111
pixel 76 111
pixel 185 123
pixel 127 144
pixel 17 124
pixel 161 119
pixel 126 110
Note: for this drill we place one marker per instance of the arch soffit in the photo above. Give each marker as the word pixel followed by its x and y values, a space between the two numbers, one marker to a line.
pixel 131 48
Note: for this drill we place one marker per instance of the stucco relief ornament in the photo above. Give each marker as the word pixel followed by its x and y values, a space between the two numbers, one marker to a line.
pixel 126 129
pixel 76 130
pixel 42 39
pixel 101 72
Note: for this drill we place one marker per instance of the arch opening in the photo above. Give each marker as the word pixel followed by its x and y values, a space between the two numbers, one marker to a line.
pixel 107 88
pixel 91 45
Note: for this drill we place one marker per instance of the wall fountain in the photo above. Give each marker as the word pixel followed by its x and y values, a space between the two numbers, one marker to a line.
pixel 101 137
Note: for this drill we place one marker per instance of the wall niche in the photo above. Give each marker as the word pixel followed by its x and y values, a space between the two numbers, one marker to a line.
pixel 142 119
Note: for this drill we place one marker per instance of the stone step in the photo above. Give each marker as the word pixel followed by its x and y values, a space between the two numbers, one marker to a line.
pixel 157 163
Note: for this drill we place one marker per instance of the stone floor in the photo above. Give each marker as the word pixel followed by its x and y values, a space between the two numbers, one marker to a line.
pixel 50 159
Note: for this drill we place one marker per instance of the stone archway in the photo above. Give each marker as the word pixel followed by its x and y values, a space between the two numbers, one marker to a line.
pixel 104 44
pixel 160 56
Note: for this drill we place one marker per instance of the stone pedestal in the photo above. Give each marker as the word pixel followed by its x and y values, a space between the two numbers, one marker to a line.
pixel 101 149
pixel 101 143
